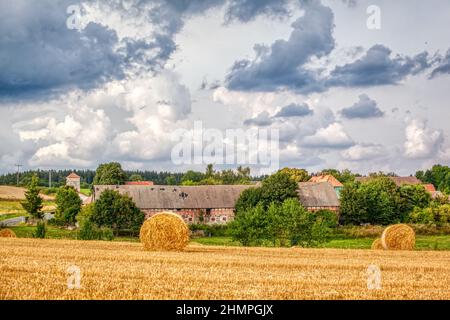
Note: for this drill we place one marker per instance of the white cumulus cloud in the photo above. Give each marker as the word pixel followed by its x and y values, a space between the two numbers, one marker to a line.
pixel 421 141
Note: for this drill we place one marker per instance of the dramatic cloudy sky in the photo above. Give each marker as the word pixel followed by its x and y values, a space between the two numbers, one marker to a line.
pixel 342 95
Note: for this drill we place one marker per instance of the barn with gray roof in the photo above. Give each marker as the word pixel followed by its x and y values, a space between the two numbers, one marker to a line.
pixel 212 204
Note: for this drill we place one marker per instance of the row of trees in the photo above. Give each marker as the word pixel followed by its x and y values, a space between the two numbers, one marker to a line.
pixel 380 201
pixel 87 177
pixel 58 177
pixel 113 173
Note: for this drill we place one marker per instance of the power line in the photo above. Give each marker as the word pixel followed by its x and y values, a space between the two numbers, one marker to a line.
pixel 18 172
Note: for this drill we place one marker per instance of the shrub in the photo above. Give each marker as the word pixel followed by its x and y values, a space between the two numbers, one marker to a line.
pixel 85 214
pixel 366 231
pixel 89 231
pixel 250 226
pixel 282 224
pixel 305 228
pixel 438 214
pixel 215 230
pixel 442 214
pixel 423 216
pixel 41 230
pixel 328 217
pixel 48 191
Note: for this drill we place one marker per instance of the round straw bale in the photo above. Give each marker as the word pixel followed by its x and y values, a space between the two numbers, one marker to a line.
pixel 7 233
pixel 398 237
pixel 165 231
pixel 376 245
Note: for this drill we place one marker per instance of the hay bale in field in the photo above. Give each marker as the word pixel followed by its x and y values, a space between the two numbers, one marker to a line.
pixel 376 245
pixel 164 231
pixel 7 233
pixel 398 237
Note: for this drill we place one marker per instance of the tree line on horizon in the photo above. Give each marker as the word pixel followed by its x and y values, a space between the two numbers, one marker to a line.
pixel 438 175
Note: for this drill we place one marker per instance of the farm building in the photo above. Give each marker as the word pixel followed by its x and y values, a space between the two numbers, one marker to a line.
pixel 139 183
pixel 74 181
pixel 195 204
pixel 316 196
pixel 430 188
pixel 212 204
pixel 335 183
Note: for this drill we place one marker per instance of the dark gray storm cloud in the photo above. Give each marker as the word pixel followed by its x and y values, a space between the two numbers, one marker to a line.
pixel 443 66
pixel 39 53
pixel 282 64
pixel 365 108
pixel 294 110
pixel 378 67
pixel 246 10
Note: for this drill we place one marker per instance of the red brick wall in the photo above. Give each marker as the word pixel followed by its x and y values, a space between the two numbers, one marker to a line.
pixel 198 216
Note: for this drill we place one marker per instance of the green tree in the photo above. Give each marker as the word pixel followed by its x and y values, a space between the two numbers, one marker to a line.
pixel 244 173
pixel 298 175
pixel 344 176
pixel 438 175
pixel 250 226
pixel 192 176
pixel 41 230
pixel 110 174
pixel 278 187
pixel 353 206
pixel 249 198
pixel 209 171
pixel 413 196
pixel 377 201
pixel 136 178
pixel 303 227
pixel 33 201
pixel 85 214
pixel 68 204
pixel 117 212
pixel 171 180
pixel 275 188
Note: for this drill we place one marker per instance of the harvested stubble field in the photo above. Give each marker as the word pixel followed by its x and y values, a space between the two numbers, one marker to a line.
pixel 37 269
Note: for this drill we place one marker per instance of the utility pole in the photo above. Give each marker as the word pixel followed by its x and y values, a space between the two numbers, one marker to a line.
pixel 18 172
